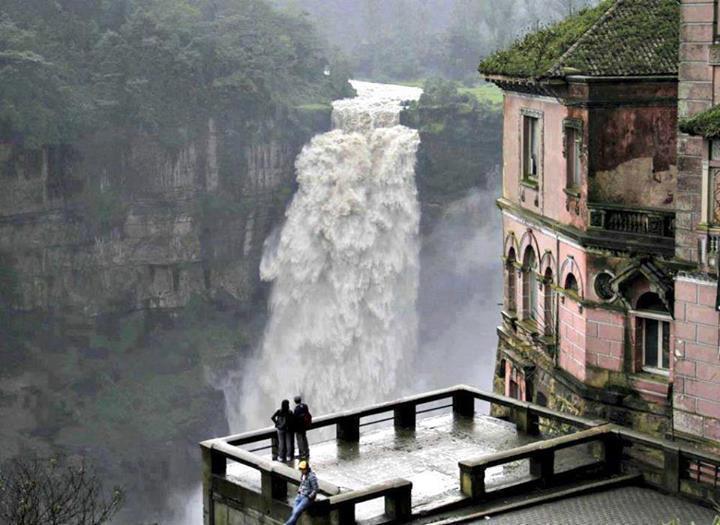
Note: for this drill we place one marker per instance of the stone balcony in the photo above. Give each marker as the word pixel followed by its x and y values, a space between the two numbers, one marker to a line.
pixel 651 229
pixel 435 456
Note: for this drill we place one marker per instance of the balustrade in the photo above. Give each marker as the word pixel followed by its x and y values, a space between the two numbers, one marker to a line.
pixel 658 223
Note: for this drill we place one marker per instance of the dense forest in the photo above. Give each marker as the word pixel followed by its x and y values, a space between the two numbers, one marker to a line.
pixel 157 66
pixel 413 39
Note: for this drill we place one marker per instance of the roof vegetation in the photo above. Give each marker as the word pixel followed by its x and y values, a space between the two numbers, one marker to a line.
pixel 705 124
pixel 615 38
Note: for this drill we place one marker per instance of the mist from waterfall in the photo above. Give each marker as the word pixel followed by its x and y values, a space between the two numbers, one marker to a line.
pixel 344 267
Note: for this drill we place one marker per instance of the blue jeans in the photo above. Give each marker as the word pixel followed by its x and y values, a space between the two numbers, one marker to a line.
pixel 301 504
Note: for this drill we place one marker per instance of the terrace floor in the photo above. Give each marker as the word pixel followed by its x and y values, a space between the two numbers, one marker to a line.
pixel 428 457
pixel 627 505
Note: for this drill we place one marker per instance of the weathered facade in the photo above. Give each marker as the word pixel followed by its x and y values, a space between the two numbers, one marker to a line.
pixel 696 374
pixel 603 314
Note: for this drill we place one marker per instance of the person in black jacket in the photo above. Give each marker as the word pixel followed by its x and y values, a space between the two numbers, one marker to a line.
pixel 283 419
pixel 301 418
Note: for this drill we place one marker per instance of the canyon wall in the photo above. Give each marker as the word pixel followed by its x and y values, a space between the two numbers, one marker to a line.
pixel 110 225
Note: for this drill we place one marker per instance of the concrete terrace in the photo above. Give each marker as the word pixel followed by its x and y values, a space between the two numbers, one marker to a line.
pixel 424 459
pixel 427 457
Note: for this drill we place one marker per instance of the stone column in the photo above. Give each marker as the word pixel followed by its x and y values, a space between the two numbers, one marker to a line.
pixel 405 416
pixel 526 421
pixel 213 465
pixel 463 403
pixel 472 480
pixel 671 470
pixel 542 466
pixel 343 515
pixel 273 487
pixel 398 504
pixel 348 429
pixel 613 450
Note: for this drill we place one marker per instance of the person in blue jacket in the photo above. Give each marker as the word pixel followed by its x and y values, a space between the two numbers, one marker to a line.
pixel 307 492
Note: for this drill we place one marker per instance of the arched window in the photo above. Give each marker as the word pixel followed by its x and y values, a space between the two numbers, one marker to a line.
pixel 529 284
pixel 571 283
pixel 511 290
pixel 548 302
pixel 653 332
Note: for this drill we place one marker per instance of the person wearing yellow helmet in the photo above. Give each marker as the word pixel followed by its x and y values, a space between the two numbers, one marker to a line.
pixel 307 492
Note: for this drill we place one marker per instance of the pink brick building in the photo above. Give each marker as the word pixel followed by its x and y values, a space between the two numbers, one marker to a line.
pixel 696 374
pixel 609 252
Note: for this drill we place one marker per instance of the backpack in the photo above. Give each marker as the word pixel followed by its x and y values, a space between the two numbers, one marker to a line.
pixel 281 421
pixel 307 419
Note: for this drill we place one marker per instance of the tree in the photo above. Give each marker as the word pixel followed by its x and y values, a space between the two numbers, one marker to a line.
pixel 54 491
pixel 565 8
pixel 158 67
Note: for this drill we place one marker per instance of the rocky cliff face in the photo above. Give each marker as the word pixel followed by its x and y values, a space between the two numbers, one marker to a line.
pixel 129 286
pixel 459 151
pixel 104 226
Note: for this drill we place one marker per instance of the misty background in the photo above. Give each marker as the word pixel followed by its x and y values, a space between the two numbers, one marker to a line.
pixel 391 40
pixel 147 151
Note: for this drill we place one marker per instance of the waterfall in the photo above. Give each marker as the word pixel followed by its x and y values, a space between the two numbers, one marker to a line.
pixel 344 267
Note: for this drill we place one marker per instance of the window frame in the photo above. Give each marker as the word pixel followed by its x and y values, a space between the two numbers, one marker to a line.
pixel 528 115
pixel 664 324
pixel 573 153
pixel 530 285
pixel 711 183
pixel 511 290
pixel 548 303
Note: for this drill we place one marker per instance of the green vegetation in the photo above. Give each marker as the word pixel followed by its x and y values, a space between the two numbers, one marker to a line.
pixel 439 92
pixel 158 67
pixel 639 37
pixel 484 93
pixel 131 392
pixel 705 124
pixel 460 138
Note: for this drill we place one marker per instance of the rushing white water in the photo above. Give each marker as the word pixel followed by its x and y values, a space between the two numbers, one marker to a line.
pixel 344 267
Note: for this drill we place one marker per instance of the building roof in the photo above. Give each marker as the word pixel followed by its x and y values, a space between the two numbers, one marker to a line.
pixel 705 124
pixel 615 38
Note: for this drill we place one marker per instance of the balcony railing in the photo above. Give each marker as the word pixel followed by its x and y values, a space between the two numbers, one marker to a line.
pixel 661 464
pixel 637 221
